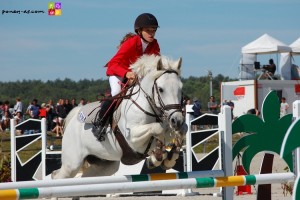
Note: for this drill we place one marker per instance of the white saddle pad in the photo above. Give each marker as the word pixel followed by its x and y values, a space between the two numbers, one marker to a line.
pixel 88 112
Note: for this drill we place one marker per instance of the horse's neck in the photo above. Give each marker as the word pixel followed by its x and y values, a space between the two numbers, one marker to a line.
pixel 139 96
pixel 145 89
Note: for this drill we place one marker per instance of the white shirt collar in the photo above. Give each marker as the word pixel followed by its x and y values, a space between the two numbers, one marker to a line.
pixel 144 45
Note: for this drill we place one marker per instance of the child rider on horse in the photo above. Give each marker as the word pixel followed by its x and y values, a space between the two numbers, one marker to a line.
pixel 134 46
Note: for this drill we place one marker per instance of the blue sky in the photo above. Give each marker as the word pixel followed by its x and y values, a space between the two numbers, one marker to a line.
pixel 207 34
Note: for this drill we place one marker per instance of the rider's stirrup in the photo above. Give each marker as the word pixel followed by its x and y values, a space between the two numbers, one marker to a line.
pixel 99 129
pixel 101 123
pixel 99 132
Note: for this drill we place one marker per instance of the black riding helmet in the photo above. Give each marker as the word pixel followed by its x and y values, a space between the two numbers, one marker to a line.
pixel 145 20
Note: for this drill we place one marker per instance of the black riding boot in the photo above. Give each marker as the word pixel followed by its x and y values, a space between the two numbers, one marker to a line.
pixel 99 127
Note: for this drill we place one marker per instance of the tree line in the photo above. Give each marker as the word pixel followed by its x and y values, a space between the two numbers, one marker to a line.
pixel 91 89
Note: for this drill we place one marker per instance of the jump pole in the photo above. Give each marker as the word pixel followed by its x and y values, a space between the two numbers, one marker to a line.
pixel 102 189
pixel 110 179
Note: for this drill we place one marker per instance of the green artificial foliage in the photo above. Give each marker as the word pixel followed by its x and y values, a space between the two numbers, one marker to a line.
pixel 264 134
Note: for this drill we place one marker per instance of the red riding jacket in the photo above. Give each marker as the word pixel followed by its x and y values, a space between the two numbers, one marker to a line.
pixel 128 53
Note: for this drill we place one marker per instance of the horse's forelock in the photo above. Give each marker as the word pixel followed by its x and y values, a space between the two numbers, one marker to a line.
pixel 148 64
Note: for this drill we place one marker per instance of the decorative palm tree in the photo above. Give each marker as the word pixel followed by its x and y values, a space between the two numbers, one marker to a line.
pixel 290 143
pixel 264 134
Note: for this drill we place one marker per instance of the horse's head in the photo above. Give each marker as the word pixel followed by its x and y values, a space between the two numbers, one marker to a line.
pixel 161 82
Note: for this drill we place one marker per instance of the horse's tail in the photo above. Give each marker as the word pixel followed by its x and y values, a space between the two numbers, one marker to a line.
pixel 73 112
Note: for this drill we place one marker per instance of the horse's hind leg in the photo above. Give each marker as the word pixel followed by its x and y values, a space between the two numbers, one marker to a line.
pixel 101 168
pixel 67 170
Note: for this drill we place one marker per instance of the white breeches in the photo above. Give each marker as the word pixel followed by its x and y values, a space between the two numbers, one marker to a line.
pixel 115 84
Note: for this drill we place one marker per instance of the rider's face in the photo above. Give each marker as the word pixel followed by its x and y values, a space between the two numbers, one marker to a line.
pixel 149 33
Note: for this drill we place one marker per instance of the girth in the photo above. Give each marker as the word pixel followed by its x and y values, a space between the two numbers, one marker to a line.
pixel 129 157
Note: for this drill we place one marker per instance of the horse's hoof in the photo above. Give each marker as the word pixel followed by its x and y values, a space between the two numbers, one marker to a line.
pixel 150 164
pixel 167 164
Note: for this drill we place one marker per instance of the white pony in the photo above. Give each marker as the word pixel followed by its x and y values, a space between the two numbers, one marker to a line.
pixel 149 117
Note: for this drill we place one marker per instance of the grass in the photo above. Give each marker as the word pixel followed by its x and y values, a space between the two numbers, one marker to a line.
pixel 212 143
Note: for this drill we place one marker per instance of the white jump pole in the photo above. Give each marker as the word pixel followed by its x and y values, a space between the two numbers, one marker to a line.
pixel 225 149
pixel 110 179
pixel 110 188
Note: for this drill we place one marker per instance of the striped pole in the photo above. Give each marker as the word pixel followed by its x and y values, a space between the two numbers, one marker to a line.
pixel 110 179
pixel 144 186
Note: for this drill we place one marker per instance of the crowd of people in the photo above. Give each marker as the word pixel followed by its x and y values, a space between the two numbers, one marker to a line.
pixel 54 113
pixel 213 107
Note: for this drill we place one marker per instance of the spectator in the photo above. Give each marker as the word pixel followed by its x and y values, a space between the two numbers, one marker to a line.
pixel 212 105
pixel 196 107
pixel 253 111
pixel 50 103
pixel 18 106
pixel 73 103
pixel 6 106
pixel 33 109
pixel 61 111
pixel 82 102
pixel 43 111
pixel 5 121
pixel 270 69
pixel 197 110
pixel 231 104
pixel 58 129
pixel 18 117
pixel 185 101
pixel 68 106
pixel 284 106
pixel 50 114
pixel 1 109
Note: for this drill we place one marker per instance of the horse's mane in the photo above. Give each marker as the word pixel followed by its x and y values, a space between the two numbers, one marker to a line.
pixel 148 64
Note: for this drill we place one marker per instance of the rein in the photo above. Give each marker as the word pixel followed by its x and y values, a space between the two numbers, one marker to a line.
pixel 158 111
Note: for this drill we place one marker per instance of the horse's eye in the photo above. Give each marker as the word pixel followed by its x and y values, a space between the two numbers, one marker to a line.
pixel 160 90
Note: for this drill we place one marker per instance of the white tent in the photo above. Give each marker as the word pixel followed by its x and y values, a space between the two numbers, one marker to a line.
pixel 288 69
pixel 296 46
pixel 265 45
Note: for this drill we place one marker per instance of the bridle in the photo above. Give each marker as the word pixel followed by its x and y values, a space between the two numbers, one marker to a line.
pixel 159 112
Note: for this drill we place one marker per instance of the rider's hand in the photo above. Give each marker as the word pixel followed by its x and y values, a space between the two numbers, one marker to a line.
pixel 130 76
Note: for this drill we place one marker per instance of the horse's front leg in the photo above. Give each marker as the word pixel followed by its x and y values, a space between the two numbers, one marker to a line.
pixel 173 154
pixel 140 134
pixel 140 137
pixel 177 142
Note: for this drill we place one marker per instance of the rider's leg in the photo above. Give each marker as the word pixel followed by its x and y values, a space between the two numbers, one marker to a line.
pixel 102 116
pixel 115 84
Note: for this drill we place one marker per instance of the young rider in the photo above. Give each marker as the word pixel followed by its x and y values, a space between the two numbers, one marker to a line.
pixel 134 46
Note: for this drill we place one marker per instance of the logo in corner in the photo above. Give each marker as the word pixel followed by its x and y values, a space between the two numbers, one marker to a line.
pixel 54 8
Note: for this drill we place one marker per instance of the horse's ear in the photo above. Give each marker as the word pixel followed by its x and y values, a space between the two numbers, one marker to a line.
pixel 160 65
pixel 179 62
